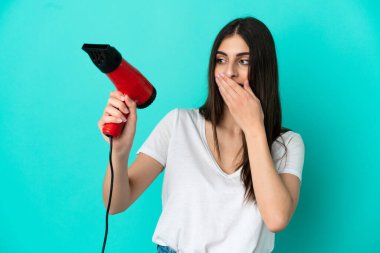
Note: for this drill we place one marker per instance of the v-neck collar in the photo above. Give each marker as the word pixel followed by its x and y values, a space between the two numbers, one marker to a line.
pixel 217 167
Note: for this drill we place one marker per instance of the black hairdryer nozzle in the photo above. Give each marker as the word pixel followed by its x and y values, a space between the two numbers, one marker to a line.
pixel 105 57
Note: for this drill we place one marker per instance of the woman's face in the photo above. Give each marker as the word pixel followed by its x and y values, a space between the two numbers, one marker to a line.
pixel 232 59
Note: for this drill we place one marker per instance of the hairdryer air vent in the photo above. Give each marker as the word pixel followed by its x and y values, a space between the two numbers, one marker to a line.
pixel 105 57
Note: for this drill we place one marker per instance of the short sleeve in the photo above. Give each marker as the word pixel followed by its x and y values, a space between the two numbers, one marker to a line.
pixel 293 160
pixel 157 143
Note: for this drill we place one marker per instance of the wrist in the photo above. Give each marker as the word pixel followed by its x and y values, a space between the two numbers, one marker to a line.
pixel 120 153
pixel 255 131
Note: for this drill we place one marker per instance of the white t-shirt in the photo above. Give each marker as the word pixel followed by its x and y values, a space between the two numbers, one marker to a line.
pixel 202 206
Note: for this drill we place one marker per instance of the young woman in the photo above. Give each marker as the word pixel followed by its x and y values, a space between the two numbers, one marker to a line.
pixel 232 172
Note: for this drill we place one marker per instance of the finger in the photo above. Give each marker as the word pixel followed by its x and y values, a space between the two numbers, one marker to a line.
pixel 112 119
pixel 233 85
pixel 131 104
pixel 115 102
pixel 223 92
pixel 248 88
pixel 224 87
pixel 117 94
pixel 108 119
pixel 112 111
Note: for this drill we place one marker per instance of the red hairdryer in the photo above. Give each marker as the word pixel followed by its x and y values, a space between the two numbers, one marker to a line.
pixel 125 77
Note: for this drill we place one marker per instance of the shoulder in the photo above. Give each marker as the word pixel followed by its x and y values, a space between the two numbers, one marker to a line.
pixel 291 136
pixel 186 113
pixel 290 139
pixel 172 114
pixel 169 119
pixel 288 152
pixel 176 115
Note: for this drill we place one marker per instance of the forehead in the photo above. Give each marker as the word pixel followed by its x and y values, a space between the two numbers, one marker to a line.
pixel 233 45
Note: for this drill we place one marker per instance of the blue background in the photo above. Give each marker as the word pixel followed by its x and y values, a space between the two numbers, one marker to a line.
pixel 53 158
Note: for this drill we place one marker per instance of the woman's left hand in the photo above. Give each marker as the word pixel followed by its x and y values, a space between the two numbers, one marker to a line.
pixel 243 104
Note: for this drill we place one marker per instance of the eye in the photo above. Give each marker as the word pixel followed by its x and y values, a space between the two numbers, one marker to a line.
pixel 219 60
pixel 244 62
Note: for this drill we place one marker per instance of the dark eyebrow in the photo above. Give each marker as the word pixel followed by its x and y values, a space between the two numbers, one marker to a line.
pixel 239 54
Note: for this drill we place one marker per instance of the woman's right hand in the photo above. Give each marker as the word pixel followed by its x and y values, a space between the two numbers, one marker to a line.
pixel 120 108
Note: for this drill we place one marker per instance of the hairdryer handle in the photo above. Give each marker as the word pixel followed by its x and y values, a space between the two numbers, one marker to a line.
pixel 114 129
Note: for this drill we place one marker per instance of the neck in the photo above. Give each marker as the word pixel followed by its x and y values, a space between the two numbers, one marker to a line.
pixel 228 124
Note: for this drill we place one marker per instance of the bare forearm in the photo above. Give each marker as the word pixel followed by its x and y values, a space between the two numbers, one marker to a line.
pixel 273 198
pixel 121 187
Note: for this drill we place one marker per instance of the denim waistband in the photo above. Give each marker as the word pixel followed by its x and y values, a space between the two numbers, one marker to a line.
pixel 164 249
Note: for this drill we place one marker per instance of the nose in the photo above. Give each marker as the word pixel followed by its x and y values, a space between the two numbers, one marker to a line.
pixel 231 71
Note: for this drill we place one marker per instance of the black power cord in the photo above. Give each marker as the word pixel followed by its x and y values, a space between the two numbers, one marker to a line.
pixel 110 196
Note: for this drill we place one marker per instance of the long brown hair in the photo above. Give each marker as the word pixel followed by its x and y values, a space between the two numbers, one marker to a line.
pixel 263 80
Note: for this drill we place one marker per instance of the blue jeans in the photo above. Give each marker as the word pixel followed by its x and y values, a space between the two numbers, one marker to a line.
pixel 164 249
